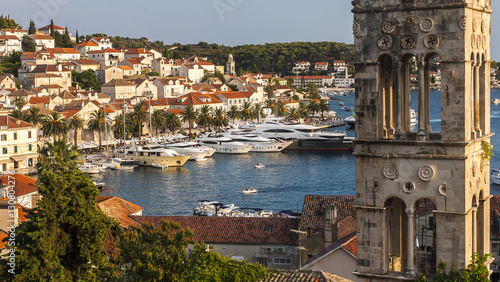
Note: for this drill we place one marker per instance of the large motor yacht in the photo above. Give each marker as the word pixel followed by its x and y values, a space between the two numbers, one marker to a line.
pixel 190 148
pixel 305 137
pixel 260 144
pixel 148 155
pixel 223 144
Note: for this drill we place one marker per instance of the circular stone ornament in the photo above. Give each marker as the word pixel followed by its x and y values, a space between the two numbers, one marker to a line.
pixel 409 187
pixel 462 23
pixel 426 25
pixel 385 43
pixel 426 173
pixel 388 27
pixel 391 171
pixel 431 41
pixel 407 42
pixel 442 189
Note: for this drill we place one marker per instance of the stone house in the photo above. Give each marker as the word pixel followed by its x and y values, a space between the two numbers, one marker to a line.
pixel 170 87
pixel 43 41
pixel 106 57
pixel 6 82
pixel 197 100
pixel 84 65
pixel 162 66
pixel 119 89
pixel 18 144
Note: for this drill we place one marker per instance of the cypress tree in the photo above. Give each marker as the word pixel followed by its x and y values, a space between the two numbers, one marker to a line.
pixel 32 29
pixel 52 29
pixel 77 37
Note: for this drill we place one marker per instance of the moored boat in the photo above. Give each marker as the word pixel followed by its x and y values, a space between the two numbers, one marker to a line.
pixel 249 190
pixel 90 168
pixel 148 155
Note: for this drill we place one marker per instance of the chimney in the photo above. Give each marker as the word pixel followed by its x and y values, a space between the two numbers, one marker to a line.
pixel 59 67
pixel 331 225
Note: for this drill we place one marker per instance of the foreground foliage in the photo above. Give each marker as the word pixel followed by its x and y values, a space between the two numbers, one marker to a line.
pixel 476 271
pixel 67 237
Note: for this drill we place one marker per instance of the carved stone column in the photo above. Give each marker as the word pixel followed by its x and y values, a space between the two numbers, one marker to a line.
pixel 410 213
pixel 421 136
pixel 477 82
pixel 398 99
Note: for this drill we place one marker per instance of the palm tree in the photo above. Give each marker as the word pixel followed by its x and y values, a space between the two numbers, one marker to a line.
pixel 220 119
pixel 270 104
pixel 233 113
pixel 58 153
pixel 76 123
pixel 139 116
pixel 272 84
pixel 313 91
pixel 117 127
pixel 54 125
pixel 157 120
pixel 16 113
pixel 172 122
pixel 189 115
pixel 205 117
pixel 303 110
pixel 289 81
pixel 34 116
pixel 323 107
pixel 293 114
pixel 281 108
pixel 19 103
pixel 313 107
pixel 257 111
pixel 246 111
pixel 98 122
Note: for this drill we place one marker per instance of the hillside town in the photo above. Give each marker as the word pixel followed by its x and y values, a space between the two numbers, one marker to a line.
pixel 141 94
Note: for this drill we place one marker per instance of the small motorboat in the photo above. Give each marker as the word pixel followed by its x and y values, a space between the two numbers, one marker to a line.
pixel 495 178
pixel 162 166
pixel 260 165
pixel 123 167
pixel 249 190
pixel 341 104
pixel 99 185
pixel 90 168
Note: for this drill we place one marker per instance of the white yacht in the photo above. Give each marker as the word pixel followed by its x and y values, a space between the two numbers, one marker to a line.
pixel 223 144
pixel 189 148
pixel 148 155
pixel 90 168
pixel 305 137
pixel 259 143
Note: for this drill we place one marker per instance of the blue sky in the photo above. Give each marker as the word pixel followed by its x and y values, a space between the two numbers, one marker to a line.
pixel 228 22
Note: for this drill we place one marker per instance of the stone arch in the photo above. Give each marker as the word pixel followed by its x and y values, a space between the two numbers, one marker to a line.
pixel 425 235
pixel 387 107
pixel 432 74
pixel 396 235
pixel 407 61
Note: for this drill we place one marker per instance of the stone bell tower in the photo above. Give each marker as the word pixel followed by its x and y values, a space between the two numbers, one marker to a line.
pixel 422 193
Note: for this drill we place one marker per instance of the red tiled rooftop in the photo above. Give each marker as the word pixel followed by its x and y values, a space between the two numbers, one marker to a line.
pixel 119 209
pixel 312 210
pixel 22 184
pixel 233 229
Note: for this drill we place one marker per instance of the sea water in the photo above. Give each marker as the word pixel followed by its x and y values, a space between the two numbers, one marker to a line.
pixel 282 184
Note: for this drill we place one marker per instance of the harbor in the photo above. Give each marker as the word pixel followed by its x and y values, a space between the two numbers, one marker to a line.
pixel 282 183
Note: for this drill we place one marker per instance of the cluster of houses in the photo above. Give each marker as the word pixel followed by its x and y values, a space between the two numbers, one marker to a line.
pixel 338 75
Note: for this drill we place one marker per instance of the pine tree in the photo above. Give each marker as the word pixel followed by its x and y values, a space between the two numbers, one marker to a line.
pixel 32 29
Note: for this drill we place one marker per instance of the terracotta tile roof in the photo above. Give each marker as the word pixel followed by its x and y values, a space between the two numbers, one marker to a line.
pixel 86 62
pixel 312 210
pixel 107 50
pixel 87 43
pixel 69 113
pixel 11 37
pixel 175 111
pixel 3 235
pixel 42 37
pixel 125 67
pixel 48 68
pixel 347 226
pixel 51 86
pixel 195 98
pixel 345 243
pixel 67 95
pixel 236 95
pixel 306 276
pixel 119 208
pixel 233 229
pixel 118 82
pixel 352 246
pixel 39 100
pixel 138 51
pixel 62 50
pixel 13 30
pixel 311 77
pixel 339 62
pixel 23 184
pixel 22 92
pixel 321 63
pixel 43 110
pixel 47 27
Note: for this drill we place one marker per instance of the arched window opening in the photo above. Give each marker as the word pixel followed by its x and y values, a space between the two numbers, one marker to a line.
pixel 434 92
pixel 396 228
pixel 425 233
pixel 409 85
pixel 484 95
pixel 387 111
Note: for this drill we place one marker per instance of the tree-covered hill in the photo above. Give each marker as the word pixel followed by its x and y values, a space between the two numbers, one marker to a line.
pixel 266 58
